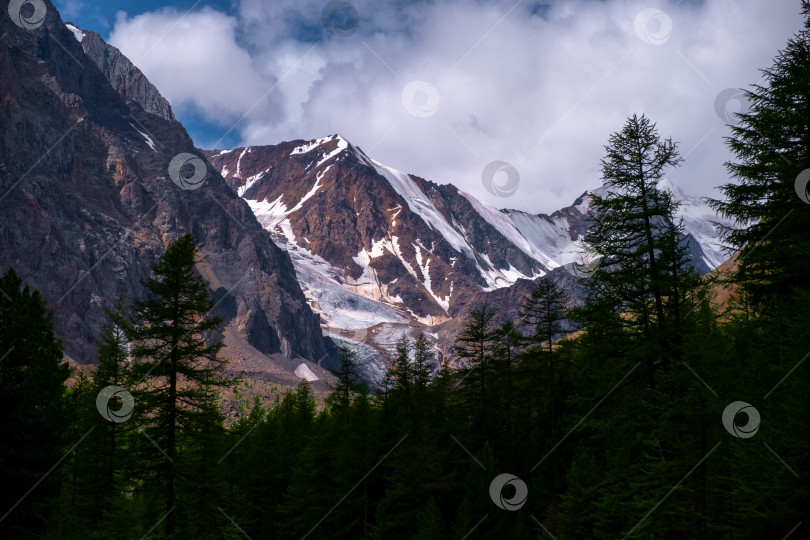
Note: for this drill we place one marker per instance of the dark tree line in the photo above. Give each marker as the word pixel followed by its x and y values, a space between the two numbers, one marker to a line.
pixel 616 430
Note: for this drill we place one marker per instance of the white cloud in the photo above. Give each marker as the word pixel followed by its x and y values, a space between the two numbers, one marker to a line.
pixel 194 61
pixel 539 88
pixel 69 9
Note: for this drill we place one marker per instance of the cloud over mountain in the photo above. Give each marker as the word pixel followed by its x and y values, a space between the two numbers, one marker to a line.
pixel 537 85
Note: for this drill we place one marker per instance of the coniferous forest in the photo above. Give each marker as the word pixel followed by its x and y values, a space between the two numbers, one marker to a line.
pixel 645 411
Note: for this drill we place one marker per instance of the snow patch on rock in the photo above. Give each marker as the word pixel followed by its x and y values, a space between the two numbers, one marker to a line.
pixel 312 145
pixel 507 228
pixel 146 137
pixel 303 372
pixel 239 163
pixel 250 180
pixel 420 204
pixel 77 33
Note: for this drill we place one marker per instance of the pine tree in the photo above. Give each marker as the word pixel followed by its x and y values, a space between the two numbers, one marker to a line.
pixel 401 370
pixel 101 465
pixel 430 522
pixel 423 362
pixel 442 390
pixel 767 199
pixel 34 410
pixel 635 233
pixel 544 312
pixel 176 354
pixel 633 313
pixel 202 445
pixel 408 376
pixel 771 145
pixel 347 381
pixel 474 345
pixel 465 519
pixel 506 350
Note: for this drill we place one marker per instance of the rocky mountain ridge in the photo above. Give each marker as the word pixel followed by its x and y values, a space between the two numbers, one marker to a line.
pixel 379 252
pixel 303 241
pixel 88 201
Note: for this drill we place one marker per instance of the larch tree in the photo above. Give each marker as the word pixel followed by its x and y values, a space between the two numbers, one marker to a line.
pixel 347 382
pixel 475 346
pixel 175 352
pixel 769 197
pixel 636 234
pixel 544 312
pixel 423 361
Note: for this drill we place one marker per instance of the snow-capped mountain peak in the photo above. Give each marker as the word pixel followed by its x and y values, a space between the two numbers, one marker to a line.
pixel 377 248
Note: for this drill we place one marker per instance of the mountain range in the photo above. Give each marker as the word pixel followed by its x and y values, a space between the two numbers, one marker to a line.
pixel 379 252
pixel 306 244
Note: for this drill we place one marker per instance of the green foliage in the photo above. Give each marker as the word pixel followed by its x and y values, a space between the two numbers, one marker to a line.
pixel 348 381
pixel 175 355
pixel 474 345
pixel 543 313
pixel 423 361
pixel 34 410
pixel 771 146
pixel 94 499
pixel 644 273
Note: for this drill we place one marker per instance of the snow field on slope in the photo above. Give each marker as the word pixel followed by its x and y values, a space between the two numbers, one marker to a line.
pixel 421 206
pixel 337 305
pixel 78 34
pixel 419 203
pixel 146 137
pixel 304 372
pixel 552 236
pixel 507 228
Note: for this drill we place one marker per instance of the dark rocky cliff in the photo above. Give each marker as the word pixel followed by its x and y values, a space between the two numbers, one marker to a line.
pixel 87 204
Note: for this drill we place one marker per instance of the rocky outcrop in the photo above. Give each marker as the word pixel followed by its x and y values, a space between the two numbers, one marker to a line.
pixel 87 204
pixel 426 254
pixel 409 242
pixel 124 77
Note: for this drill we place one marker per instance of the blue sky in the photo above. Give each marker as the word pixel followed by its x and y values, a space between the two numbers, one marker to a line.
pixel 442 88
pixel 100 16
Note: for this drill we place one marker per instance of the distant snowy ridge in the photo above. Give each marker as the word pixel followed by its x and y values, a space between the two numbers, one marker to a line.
pixel 377 250
pixel 560 234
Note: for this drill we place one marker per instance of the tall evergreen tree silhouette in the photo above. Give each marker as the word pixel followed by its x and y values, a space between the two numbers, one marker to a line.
pixel 176 352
